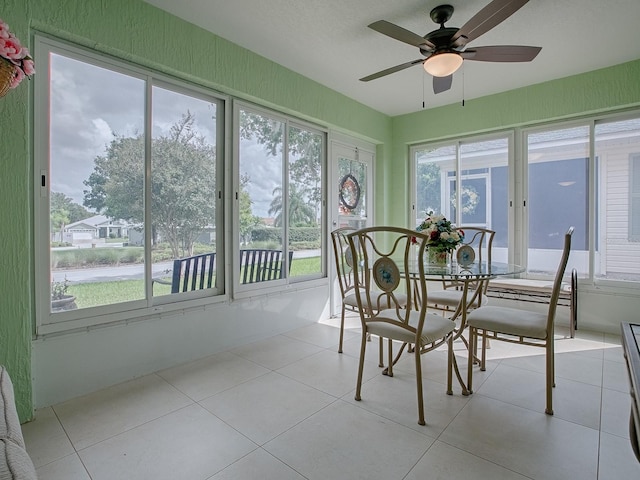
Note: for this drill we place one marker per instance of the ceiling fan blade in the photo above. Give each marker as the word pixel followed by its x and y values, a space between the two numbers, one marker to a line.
pixel 399 33
pixel 501 53
pixel 493 14
pixel 442 84
pixel 388 71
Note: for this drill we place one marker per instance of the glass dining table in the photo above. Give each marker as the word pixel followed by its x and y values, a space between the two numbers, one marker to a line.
pixel 471 279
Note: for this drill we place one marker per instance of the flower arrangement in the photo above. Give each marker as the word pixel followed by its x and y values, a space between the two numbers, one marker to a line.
pixel 13 53
pixel 442 236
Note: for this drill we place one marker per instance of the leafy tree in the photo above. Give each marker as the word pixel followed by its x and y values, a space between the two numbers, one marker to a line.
pixel 428 186
pixel 305 153
pixel 301 214
pixel 65 211
pixel 248 221
pixel 183 189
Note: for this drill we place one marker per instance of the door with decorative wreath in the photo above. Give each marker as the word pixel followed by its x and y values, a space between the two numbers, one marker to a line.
pixel 351 194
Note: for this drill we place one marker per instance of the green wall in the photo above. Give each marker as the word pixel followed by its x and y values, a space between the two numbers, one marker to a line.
pixel 605 90
pixel 135 31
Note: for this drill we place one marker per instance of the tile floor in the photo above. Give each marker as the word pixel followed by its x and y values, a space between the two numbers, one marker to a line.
pixel 283 409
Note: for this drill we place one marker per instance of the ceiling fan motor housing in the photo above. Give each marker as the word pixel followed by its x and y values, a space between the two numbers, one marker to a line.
pixel 441 38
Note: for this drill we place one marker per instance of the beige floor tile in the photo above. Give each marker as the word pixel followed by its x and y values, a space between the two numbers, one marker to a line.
pixel 396 398
pixel 533 444
pixel 190 443
pixel 573 401
pixel 617 460
pixel 325 336
pixel 615 376
pixel 329 372
pixel 572 366
pixel 616 407
pixel 103 414
pixel 276 352
pixel 266 406
pixel 45 438
pixel 66 468
pixel 444 462
pixel 377 448
pixel 258 464
pixel 211 375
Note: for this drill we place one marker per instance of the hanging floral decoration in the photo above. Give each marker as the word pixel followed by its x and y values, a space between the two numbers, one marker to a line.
pixel 14 59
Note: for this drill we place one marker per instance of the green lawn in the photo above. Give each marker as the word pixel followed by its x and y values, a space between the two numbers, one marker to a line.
pixel 105 293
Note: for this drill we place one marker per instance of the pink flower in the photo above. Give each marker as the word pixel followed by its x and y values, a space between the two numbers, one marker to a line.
pixel 4 30
pixel 11 49
pixel 28 67
pixel 18 75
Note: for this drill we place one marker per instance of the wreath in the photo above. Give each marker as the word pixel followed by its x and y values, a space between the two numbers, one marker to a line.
pixel 469 199
pixel 349 192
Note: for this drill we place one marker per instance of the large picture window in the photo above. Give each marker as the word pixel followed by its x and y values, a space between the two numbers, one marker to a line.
pixel 280 195
pixel 129 184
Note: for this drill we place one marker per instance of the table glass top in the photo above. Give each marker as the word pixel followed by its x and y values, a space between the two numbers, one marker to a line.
pixel 474 270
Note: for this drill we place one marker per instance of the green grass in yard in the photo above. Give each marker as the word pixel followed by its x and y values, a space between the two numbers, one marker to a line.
pixel 106 293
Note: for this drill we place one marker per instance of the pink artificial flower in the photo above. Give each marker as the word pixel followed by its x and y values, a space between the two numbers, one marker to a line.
pixel 28 66
pixel 18 75
pixel 4 30
pixel 10 48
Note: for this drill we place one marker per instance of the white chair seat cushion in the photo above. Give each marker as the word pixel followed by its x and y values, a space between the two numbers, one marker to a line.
pixel 512 321
pixel 435 327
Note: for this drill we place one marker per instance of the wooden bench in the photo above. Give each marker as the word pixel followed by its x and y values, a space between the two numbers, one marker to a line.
pixel 191 273
pixel 260 265
pixel 198 271
pixel 539 292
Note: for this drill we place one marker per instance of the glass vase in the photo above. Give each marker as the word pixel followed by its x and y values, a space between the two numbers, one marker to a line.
pixel 438 258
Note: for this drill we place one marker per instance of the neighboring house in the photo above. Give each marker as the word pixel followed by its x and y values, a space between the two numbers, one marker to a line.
pixel 94 228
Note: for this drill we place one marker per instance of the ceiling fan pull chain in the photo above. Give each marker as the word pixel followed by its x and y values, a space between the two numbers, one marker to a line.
pixel 463 85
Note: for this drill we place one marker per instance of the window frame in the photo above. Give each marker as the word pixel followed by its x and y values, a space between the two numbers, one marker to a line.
pixel 241 291
pixel 634 193
pixel 48 323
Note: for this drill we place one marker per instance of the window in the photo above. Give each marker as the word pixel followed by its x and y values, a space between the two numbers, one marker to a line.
pixel 558 197
pixel 280 194
pixel 129 183
pixel 482 168
pixel 584 174
pixel 617 148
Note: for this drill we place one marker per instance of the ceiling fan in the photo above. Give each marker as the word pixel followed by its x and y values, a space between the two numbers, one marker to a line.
pixel 445 49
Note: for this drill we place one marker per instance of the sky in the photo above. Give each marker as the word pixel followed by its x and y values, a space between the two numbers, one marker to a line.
pixel 90 104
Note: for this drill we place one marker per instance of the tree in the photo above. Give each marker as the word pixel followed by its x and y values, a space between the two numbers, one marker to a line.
pixel 183 187
pixel 300 212
pixel 428 188
pixel 65 211
pixel 248 221
pixel 305 153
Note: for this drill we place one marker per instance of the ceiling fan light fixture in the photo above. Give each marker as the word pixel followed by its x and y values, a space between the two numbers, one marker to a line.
pixel 442 64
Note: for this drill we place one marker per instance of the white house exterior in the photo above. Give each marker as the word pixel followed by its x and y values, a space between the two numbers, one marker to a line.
pixel 94 230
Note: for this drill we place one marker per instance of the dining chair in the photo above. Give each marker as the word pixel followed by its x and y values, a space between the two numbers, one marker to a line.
pixel 448 299
pixel 344 259
pixel 520 326
pixel 344 271
pixel 385 278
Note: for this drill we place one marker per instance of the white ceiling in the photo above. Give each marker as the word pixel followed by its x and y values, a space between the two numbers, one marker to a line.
pixel 329 42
